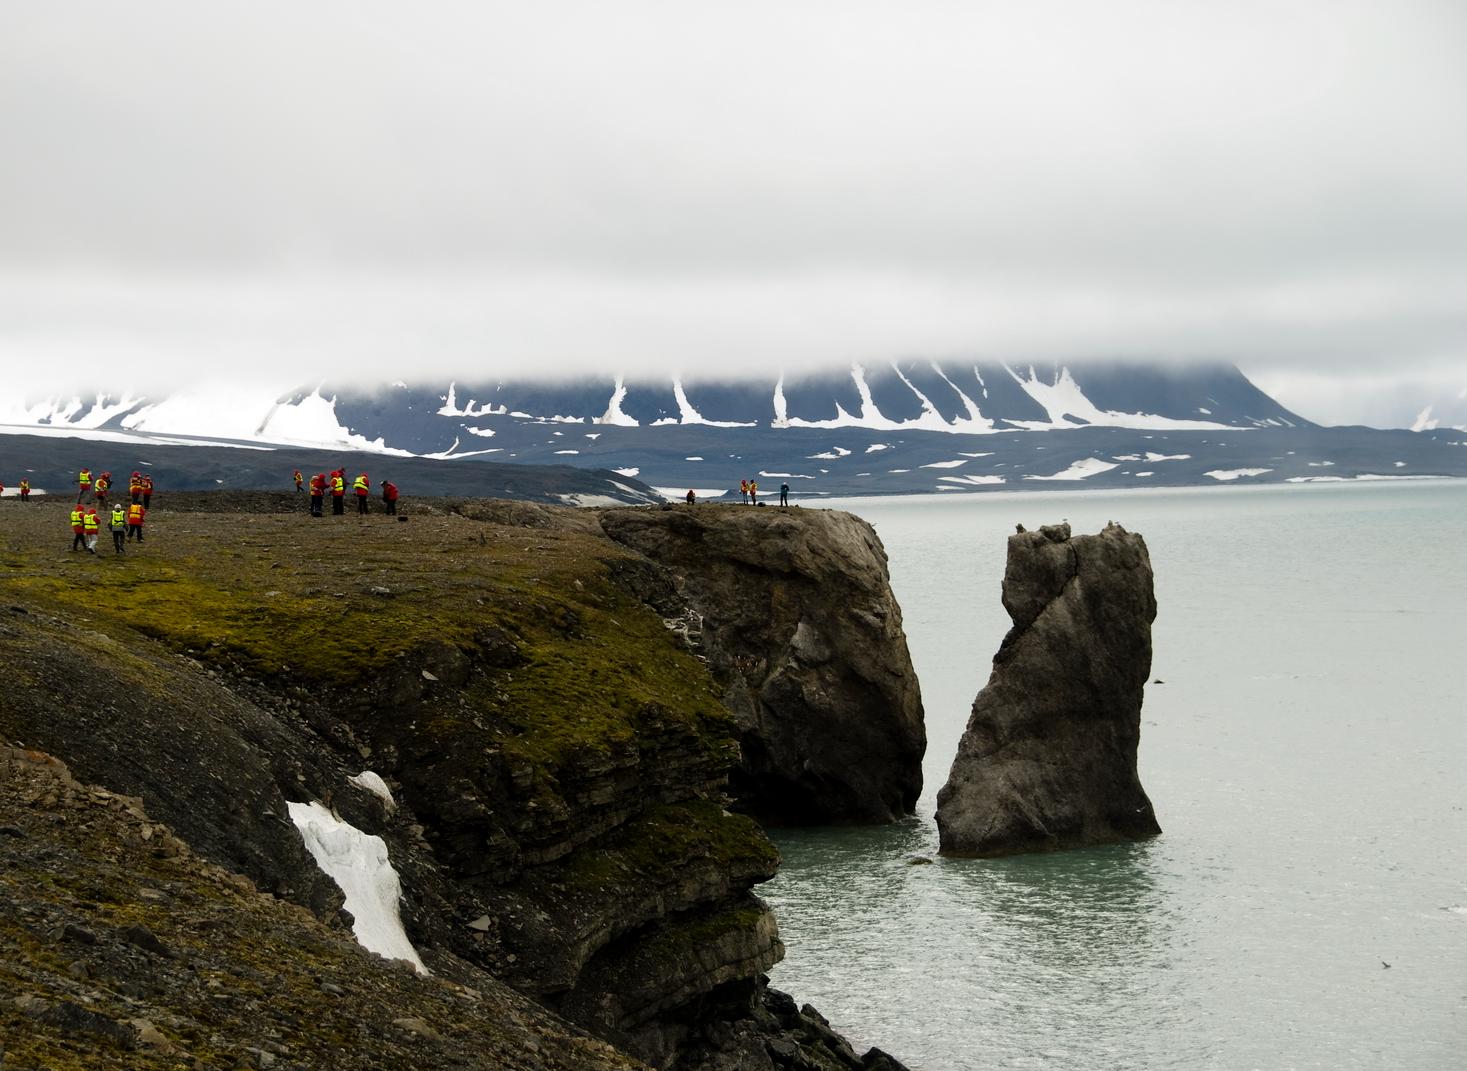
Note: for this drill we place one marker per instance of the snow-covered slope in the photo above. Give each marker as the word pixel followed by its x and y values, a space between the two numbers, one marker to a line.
pixel 1446 412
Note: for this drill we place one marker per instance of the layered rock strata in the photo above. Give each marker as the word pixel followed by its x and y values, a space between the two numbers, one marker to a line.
pixel 1048 759
pixel 795 616
pixel 557 757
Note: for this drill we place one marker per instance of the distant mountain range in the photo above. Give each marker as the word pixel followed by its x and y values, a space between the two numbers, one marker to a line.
pixel 892 428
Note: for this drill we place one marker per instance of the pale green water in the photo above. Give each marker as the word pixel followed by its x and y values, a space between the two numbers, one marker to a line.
pixel 1307 758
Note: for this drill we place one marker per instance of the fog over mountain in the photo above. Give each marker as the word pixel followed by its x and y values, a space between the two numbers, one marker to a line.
pixel 368 191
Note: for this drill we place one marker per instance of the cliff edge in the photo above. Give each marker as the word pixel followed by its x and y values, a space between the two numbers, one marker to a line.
pixel 1048 759
pixel 794 613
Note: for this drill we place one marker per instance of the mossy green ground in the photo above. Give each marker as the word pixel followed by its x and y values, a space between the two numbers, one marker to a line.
pixel 335 603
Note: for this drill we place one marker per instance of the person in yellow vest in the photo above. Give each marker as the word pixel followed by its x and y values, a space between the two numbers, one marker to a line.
pixel 753 493
pixel 147 491
pixel 91 524
pixel 78 527
pixel 362 488
pixel 135 487
pixel 117 525
pixel 338 492
pixel 299 482
pixel 25 490
pixel 135 521
pixel 84 484
pixel 100 487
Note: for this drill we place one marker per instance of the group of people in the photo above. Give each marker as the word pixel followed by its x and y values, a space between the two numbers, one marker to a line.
pixel 749 493
pixel 334 484
pixel 125 522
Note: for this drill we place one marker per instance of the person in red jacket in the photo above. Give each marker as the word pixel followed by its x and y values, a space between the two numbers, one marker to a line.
pixel 25 490
pixel 338 492
pixel 389 497
pixel 135 521
pixel 147 492
pixel 318 493
pixel 78 527
pixel 362 488
pixel 135 486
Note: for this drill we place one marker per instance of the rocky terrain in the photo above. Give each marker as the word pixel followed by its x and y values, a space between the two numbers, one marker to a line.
pixel 796 616
pixel 558 757
pixel 1048 759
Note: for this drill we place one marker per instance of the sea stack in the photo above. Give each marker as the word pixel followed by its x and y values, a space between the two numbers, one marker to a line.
pixel 1048 760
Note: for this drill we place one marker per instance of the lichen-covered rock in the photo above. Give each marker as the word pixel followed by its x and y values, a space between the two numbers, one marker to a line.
pixel 1048 759
pixel 799 625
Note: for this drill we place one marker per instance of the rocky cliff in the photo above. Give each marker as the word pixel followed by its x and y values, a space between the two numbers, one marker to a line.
pixel 794 613
pixel 557 757
pixel 1048 759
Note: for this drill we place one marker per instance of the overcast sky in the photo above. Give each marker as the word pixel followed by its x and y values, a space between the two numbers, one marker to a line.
pixel 391 190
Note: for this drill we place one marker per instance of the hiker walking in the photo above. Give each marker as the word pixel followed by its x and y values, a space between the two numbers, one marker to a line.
pixel 135 521
pixel 91 525
pixel 78 527
pixel 117 525
pixel 135 487
pixel 83 484
pixel 299 481
pixel 100 487
pixel 784 494
pixel 147 494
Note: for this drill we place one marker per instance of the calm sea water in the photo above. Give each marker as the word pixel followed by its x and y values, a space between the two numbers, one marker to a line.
pixel 1307 758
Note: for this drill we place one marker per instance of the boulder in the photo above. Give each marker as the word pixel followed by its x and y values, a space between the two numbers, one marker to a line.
pixel 804 636
pixel 1048 759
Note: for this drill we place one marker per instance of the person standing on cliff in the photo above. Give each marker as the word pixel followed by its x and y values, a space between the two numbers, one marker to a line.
pixel 753 493
pixel 691 497
pixel 744 492
pixel 784 494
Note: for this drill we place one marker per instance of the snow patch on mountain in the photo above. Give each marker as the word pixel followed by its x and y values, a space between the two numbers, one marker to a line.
pixel 1067 407
pixel 1080 470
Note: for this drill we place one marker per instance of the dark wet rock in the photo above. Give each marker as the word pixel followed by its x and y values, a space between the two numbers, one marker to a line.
pixel 1048 759
pixel 796 618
